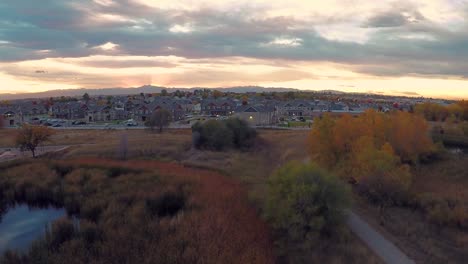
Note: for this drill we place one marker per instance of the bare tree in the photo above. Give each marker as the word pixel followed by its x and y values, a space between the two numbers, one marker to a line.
pixel 30 137
pixel 159 119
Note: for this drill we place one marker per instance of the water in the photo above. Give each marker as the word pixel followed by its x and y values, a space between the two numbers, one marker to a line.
pixel 21 225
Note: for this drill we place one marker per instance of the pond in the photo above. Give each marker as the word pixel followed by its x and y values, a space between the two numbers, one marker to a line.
pixel 21 225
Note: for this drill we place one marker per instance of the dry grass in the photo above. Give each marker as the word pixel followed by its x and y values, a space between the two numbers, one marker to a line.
pixel 432 228
pixel 252 168
pixel 126 206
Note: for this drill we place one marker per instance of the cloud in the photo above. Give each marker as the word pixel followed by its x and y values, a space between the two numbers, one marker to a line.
pixel 394 19
pixel 397 39
pixel 408 93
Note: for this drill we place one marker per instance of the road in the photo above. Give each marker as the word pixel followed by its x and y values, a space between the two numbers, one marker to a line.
pixel 382 247
pixel 172 126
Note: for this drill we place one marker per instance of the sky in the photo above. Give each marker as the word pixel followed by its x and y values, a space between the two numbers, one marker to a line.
pixel 411 47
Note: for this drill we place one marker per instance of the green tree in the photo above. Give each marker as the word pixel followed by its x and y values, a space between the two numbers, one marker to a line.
pixel 243 135
pixel 159 119
pixel 30 137
pixel 163 92
pixel 213 134
pixel 306 203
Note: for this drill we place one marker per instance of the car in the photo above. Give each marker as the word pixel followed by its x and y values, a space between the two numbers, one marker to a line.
pixel 79 123
pixel 57 125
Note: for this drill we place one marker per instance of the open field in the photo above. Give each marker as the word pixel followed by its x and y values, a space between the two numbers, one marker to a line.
pixel 251 168
pixel 413 228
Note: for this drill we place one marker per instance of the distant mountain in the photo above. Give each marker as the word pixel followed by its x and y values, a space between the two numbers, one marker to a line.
pixel 132 90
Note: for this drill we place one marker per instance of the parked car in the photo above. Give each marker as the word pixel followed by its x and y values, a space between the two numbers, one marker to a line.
pixel 130 123
pixel 78 123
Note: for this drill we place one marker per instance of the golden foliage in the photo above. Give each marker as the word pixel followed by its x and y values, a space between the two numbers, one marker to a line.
pixel 371 149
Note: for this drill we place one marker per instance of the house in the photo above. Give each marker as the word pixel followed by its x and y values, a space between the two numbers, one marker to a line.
pixel 176 109
pixel 218 107
pixel 100 113
pixel 141 113
pixel 69 110
pixel 256 115
pixel 32 112
pixel 186 105
pixel 10 117
pixel 197 108
pixel 295 108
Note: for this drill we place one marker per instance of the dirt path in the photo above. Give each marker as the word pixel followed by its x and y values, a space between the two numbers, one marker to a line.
pixel 382 247
pixel 8 154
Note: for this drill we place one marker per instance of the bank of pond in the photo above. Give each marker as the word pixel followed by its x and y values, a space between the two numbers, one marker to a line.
pixel 21 224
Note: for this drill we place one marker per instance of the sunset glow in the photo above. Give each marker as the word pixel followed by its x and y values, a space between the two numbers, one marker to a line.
pixel 414 48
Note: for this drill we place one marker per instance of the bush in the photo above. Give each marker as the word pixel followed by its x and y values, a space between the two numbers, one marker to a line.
pixel 306 203
pixel 169 204
pixel 243 134
pixel 62 230
pixel 219 135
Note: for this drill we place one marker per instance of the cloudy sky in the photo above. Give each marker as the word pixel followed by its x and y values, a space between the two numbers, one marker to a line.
pixel 412 47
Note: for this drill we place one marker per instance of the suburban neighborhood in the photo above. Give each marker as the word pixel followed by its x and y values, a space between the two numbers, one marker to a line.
pixel 185 108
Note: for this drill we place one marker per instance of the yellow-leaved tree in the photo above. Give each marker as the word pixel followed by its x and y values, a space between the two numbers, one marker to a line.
pixel 372 150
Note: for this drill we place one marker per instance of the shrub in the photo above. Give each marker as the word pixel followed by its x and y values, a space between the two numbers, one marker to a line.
pixel 169 204
pixel 214 135
pixel 62 230
pixel 306 203
pixel 128 219
pixel 219 135
pixel 90 232
pixel 243 134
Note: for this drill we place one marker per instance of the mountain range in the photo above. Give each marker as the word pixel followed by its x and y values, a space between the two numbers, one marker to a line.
pixel 137 90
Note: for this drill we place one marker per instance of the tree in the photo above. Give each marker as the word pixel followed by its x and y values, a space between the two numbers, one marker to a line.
pixel 163 92
pixel 217 94
pixel 160 118
pixel 306 203
pixel 86 97
pixel 213 135
pixel 30 137
pixel 320 140
pixel 379 173
pixel 243 135
pixel 109 100
pixel 219 135
pixel 409 136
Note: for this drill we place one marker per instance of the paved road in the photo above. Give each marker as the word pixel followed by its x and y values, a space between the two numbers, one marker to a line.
pixel 385 249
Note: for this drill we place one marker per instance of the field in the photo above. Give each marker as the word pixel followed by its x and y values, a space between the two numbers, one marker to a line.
pixel 151 211
pixel 431 229
pixel 251 169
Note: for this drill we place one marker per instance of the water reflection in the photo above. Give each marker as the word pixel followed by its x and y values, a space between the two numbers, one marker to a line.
pixel 21 225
